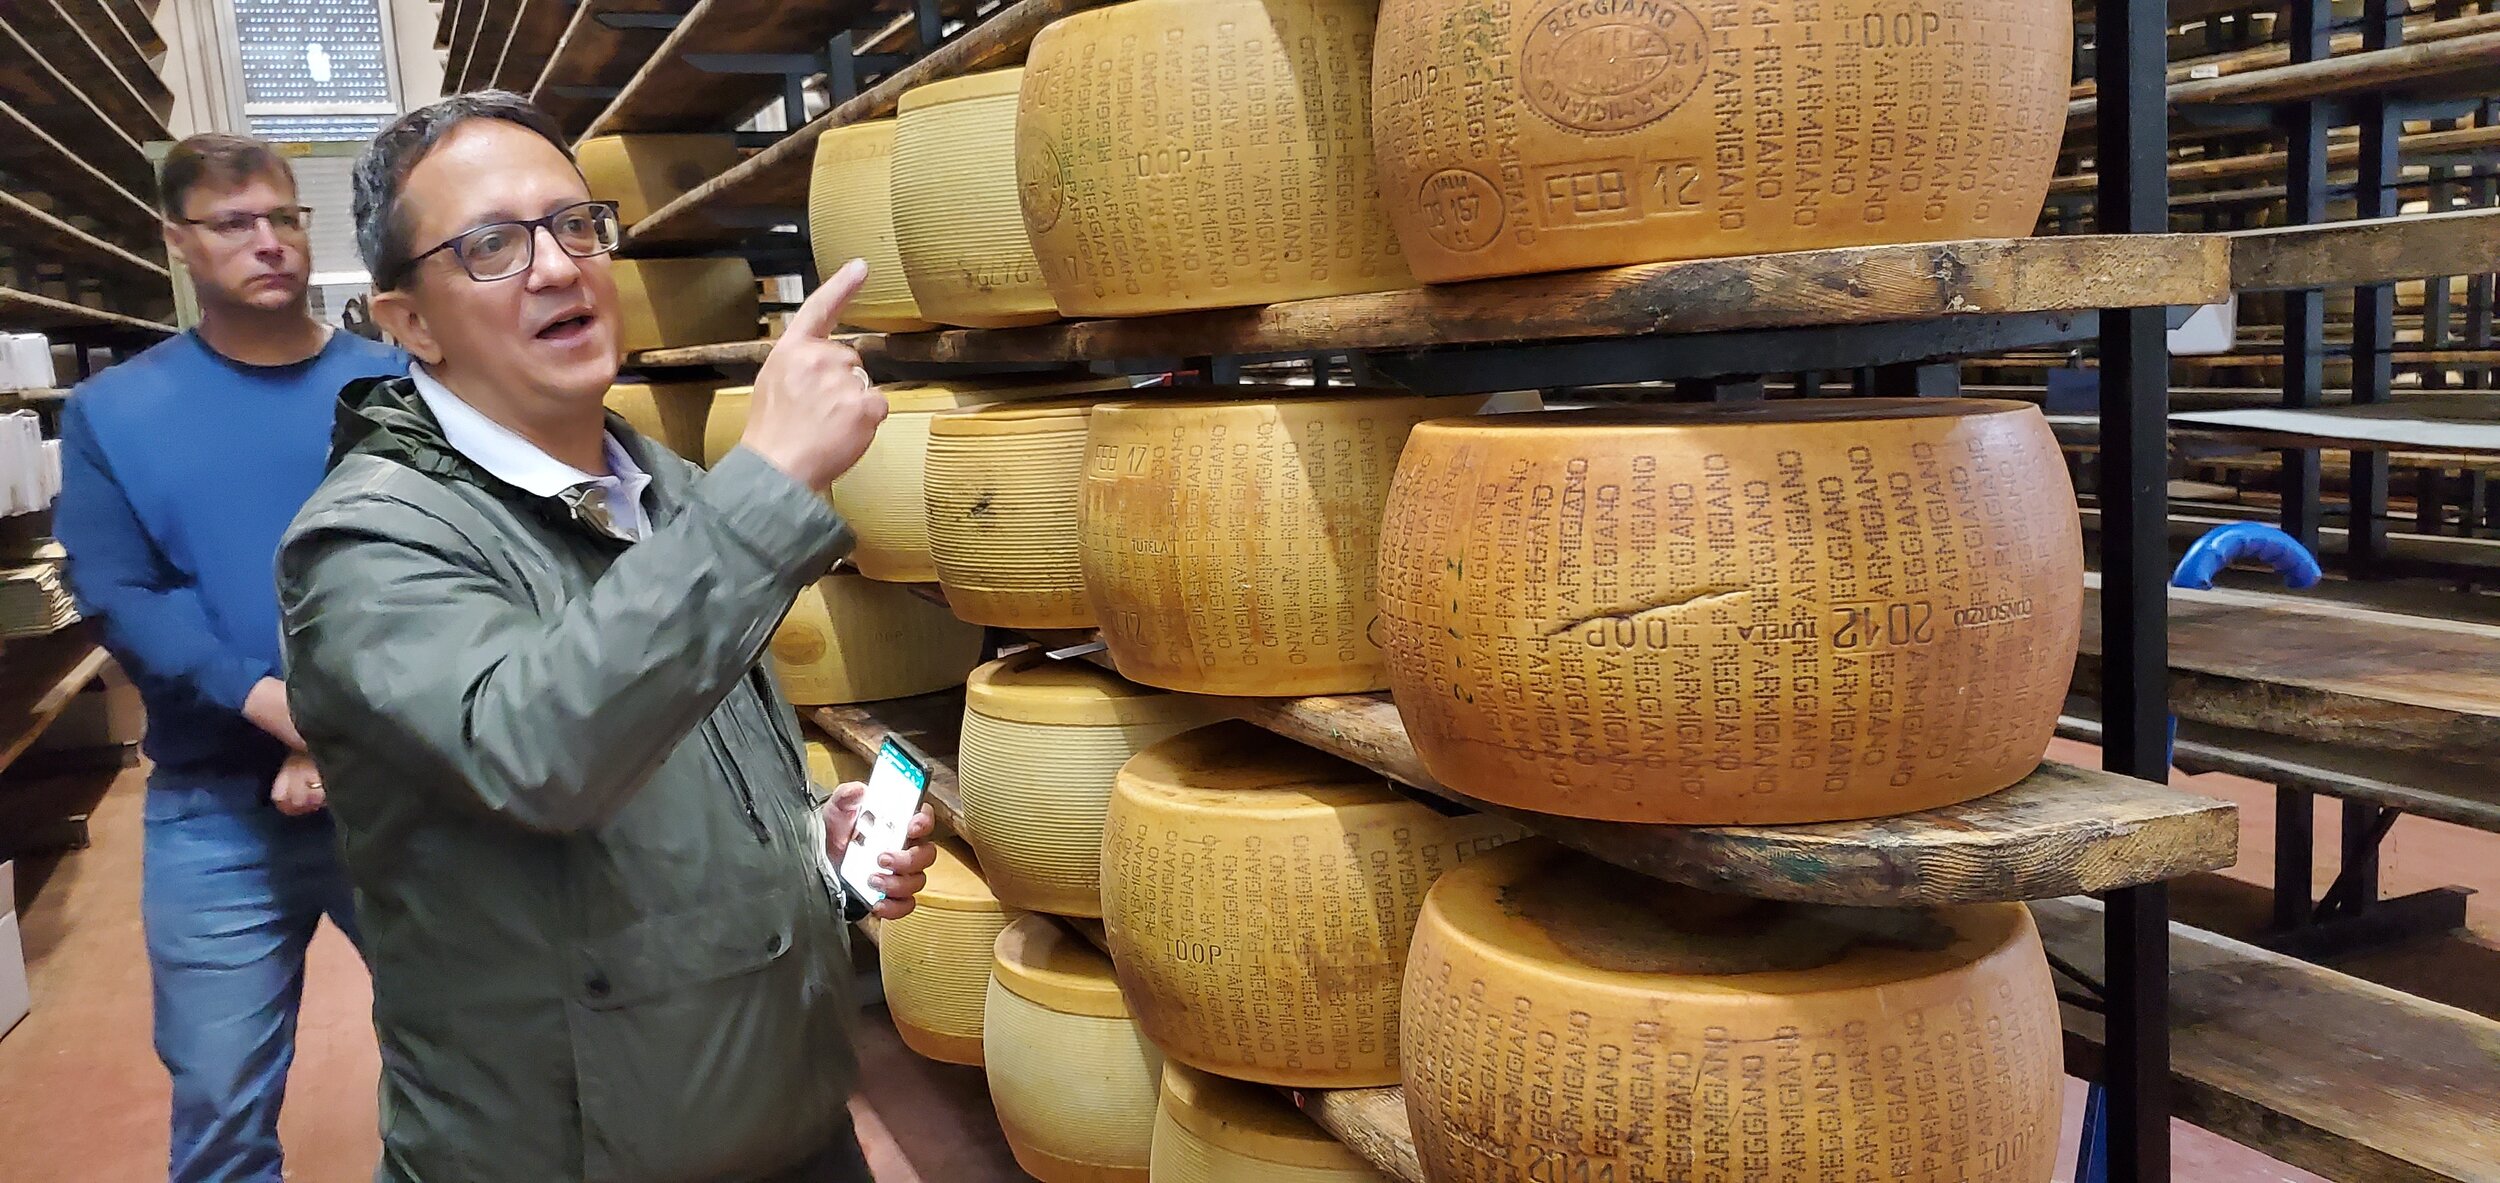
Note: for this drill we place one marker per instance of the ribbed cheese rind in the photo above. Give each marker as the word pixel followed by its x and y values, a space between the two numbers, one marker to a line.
pixel 850 215
pixel 958 224
pixel 1925 1062
pixel 936 962
pixel 1075 1093
pixel 1802 611
pixel 849 639
pixel 667 303
pixel 833 765
pixel 1258 898
pixel 1180 154
pixel 641 173
pixel 671 414
pixel 1212 1130
pixel 1035 798
pixel 1541 135
pixel 1002 510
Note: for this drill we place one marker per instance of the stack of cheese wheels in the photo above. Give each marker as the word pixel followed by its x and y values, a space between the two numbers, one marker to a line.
pixel 672 414
pixel 1212 1130
pixel 1179 154
pixel 1258 897
pixel 958 223
pixel 1001 494
pixel 1073 1081
pixel 1634 132
pixel 937 961
pixel 668 303
pixel 727 422
pixel 850 215
pixel 883 496
pixel 849 639
pixel 1042 742
pixel 1796 611
pixel 1232 547
pixel 1660 1028
pixel 641 173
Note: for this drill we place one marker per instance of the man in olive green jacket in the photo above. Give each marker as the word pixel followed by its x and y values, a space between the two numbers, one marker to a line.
pixel 524 645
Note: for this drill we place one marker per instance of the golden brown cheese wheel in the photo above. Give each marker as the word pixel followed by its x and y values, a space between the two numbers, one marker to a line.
pixel 668 303
pixel 850 215
pixel 641 173
pixel 1074 1082
pixel 1001 496
pixel 1566 1019
pixel 1541 135
pixel 1231 547
pixel 1258 897
pixel 937 961
pixel 727 422
pixel 671 414
pixel 849 639
pixel 957 221
pixel 1181 154
pixel 1042 742
pixel 832 765
pixel 883 496
pixel 1212 1130
pixel 1791 612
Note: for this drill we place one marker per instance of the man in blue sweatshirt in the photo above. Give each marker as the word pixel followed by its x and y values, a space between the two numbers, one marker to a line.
pixel 180 469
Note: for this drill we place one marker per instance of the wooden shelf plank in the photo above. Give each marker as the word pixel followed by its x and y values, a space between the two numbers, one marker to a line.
pixel 2454 65
pixel 36 161
pixel 73 52
pixel 930 722
pixel 35 232
pixel 62 110
pixel 535 31
pixel 463 41
pixel 2423 26
pixel 592 56
pixel 2459 794
pixel 1856 285
pixel 2341 155
pixel 446 20
pixel 26 311
pixel 778 175
pixel 38 678
pixel 670 93
pixel 2373 250
pixel 138 20
pixel 129 53
pixel 2319 1069
pixel 485 56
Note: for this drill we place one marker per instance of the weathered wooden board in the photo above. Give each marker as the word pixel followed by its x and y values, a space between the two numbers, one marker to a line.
pixel 138 19
pixel 1371 1122
pixel 2441 554
pixel 24 311
pixel 2454 65
pixel 54 104
pixel 463 42
pixel 931 722
pixel 42 675
pixel 2223 65
pixel 2459 424
pixel 591 58
pixel 2319 1069
pixel 535 31
pixel 484 47
pixel 132 51
pixel 672 93
pixel 30 230
pixel 2341 155
pixel 2375 250
pixel 2317 670
pixel 74 52
pixel 446 19
pixel 40 162
pixel 2463 792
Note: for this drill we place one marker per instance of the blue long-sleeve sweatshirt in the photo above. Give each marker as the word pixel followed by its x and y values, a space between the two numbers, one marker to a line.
pixel 180 469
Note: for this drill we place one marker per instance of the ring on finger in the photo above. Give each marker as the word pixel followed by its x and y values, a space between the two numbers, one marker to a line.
pixel 864 379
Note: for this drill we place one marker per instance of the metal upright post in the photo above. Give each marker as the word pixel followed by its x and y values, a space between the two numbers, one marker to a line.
pixel 2304 312
pixel 2374 307
pixel 2132 59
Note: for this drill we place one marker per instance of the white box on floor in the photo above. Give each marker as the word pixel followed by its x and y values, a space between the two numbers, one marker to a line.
pixel 14 995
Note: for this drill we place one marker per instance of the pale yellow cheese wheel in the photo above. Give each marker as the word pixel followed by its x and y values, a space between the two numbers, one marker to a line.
pixel 937 961
pixel 641 173
pixel 849 639
pixel 671 414
pixel 1209 1129
pixel 727 423
pixel 1568 1019
pixel 1258 898
pixel 850 215
pixel 1231 547
pixel 1796 611
pixel 1074 1082
pixel 1542 135
pixel 832 765
pixel 1184 154
pixel 668 303
pixel 882 496
pixel 1001 496
pixel 957 221
pixel 1042 741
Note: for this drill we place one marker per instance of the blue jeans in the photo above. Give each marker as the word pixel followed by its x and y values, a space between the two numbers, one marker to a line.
pixel 232 892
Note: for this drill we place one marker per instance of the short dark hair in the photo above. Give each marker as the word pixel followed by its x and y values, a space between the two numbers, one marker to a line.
pixel 218 158
pixel 382 171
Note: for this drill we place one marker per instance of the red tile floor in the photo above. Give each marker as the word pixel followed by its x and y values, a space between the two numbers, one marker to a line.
pixel 82 1098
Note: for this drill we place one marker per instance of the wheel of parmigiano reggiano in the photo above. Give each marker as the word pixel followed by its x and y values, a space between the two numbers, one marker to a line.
pixel 849 639
pixel 1541 135
pixel 641 173
pixel 957 221
pixel 1790 612
pixel 1258 897
pixel 1566 1019
pixel 727 422
pixel 850 215
pixel 832 765
pixel 937 961
pixel 671 414
pixel 882 496
pixel 1212 1130
pixel 1073 1080
pixel 1001 496
pixel 1042 741
pixel 1231 547
pixel 667 303
pixel 1180 154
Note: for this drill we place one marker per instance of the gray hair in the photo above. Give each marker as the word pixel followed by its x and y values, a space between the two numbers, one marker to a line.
pixel 382 171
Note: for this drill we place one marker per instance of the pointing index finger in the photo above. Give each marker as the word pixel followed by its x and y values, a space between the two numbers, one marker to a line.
pixel 822 312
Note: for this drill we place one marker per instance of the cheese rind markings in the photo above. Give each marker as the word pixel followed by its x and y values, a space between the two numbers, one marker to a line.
pixel 1074 1082
pixel 850 215
pixel 958 223
pixel 1001 498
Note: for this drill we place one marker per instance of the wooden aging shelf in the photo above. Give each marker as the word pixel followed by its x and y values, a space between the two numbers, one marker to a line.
pixel 24 311
pixel 673 92
pixel 594 59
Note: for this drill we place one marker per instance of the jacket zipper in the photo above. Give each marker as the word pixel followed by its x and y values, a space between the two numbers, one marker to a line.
pixel 746 793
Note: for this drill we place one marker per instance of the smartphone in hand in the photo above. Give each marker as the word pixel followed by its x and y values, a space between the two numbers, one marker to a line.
pixel 895 787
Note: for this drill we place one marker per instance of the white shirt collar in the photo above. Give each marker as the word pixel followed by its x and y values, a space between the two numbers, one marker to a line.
pixel 511 458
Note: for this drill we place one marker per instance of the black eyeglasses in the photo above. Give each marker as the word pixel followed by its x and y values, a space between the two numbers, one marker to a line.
pixel 501 250
pixel 292 220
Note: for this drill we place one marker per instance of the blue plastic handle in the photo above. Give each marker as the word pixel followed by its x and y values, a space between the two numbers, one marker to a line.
pixel 2224 545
